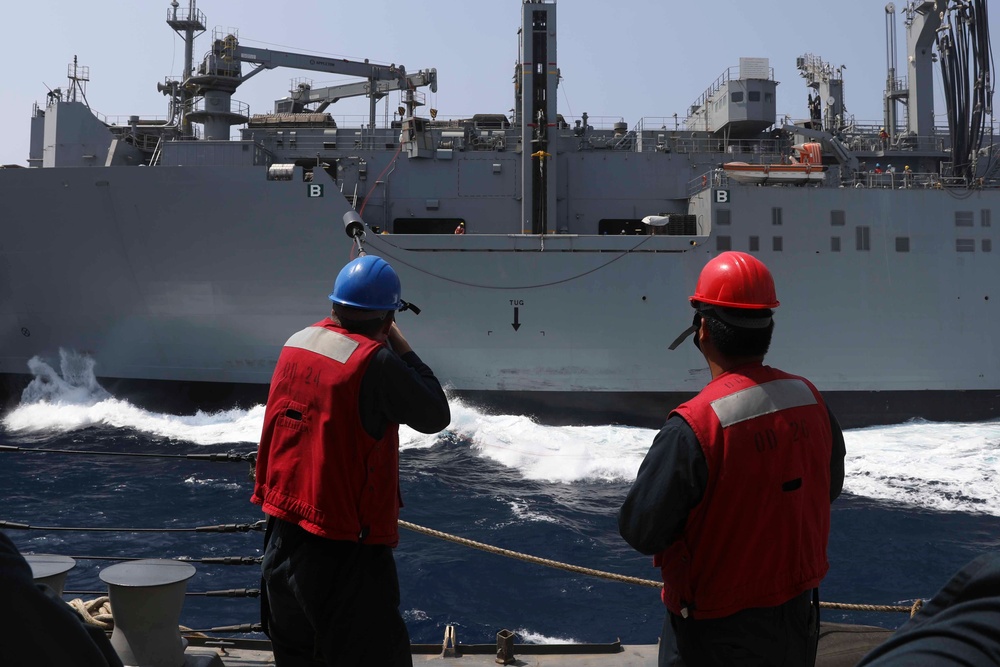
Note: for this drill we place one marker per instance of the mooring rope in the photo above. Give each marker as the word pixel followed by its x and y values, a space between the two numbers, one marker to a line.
pixel 448 537
pixel 223 528
pixel 98 611
pixel 102 606
pixel 620 577
pixel 95 612
pixel 530 559
pixel 228 457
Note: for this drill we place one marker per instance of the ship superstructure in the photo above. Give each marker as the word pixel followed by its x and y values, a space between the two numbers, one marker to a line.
pixel 177 254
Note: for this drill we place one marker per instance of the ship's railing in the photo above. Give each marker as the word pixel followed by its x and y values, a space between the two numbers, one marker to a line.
pixel 864 137
pixel 596 122
pixel 179 14
pixel 894 180
pixel 762 151
pixel 144 141
pixel 222 537
pixel 236 107
pixel 127 120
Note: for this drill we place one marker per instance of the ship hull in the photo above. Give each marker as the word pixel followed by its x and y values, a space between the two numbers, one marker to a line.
pixel 205 295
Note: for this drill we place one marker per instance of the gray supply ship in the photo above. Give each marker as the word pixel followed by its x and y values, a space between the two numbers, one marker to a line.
pixel 179 258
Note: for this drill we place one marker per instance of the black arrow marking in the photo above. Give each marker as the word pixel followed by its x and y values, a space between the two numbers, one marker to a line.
pixel 516 325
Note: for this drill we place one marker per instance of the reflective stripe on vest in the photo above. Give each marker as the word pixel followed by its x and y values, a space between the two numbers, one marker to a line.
pixel 762 399
pixel 330 344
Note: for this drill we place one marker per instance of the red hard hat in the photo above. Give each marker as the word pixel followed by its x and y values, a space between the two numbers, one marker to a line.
pixel 736 280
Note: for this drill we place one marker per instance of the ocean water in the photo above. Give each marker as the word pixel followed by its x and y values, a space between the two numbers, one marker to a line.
pixel 920 500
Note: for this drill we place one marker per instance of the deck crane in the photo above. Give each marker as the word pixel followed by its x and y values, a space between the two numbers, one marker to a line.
pixel 206 95
pixel 379 79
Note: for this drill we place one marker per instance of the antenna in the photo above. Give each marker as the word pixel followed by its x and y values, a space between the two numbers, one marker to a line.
pixel 78 75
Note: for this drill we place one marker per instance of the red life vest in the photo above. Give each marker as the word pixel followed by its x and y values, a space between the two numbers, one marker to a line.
pixel 759 535
pixel 317 467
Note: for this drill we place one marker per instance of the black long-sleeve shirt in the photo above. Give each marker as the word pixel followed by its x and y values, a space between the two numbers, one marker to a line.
pixel 401 390
pixel 672 480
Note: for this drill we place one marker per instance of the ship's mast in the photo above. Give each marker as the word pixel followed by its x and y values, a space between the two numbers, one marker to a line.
pixel 537 92
pixel 78 76
pixel 893 88
pixel 188 24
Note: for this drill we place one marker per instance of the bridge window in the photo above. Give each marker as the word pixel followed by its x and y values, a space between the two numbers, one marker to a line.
pixel 902 244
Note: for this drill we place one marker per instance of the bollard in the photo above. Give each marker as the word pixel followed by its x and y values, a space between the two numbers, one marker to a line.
pixel 146 601
pixel 505 647
pixel 50 570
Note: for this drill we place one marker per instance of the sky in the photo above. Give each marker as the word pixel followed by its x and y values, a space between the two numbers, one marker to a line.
pixel 621 60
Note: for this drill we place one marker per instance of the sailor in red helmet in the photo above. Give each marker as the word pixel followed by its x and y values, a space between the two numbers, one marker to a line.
pixel 328 476
pixel 733 497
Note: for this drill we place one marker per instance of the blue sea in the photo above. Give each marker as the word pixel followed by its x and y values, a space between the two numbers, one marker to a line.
pixel 920 501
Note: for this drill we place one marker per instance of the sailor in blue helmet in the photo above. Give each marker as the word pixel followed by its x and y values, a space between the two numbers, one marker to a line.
pixel 328 476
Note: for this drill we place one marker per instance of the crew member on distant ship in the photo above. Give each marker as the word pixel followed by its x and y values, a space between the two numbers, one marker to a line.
pixel 460 229
pixel 733 497
pixel 328 476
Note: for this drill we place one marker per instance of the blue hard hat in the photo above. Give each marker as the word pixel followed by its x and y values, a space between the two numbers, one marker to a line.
pixel 367 283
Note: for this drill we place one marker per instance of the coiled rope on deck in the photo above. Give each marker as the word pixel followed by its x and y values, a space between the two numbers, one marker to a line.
pixel 913 609
pixel 95 612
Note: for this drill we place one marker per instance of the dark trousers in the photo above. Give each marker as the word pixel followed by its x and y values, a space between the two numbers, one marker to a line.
pixel 785 635
pixel 326 602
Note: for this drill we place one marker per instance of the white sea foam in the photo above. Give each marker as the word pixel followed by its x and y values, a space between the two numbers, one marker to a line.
pixel 938 466
pixel 529 637
pixel 72 399
pixel 941 466
pixel 550 453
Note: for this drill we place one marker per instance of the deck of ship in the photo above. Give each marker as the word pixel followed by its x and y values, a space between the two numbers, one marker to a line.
pixel 840 645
